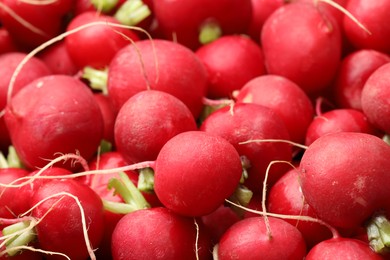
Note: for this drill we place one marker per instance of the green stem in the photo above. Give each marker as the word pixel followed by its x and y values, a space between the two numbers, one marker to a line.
pixel 378 231
pixel 23 235
pixel 97 78
pixel 132 12
pixel 132 196
pixel 209 32
pixel 146 180
pixel 104 6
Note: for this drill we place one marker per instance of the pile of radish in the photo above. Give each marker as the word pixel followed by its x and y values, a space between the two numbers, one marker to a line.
pixel 197 129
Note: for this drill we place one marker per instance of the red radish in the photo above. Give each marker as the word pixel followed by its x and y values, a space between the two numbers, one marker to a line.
pixel 344 178
pixel 308 52
pixel 218 221
pixel 57 58
pixel 60 229
pixel 251 121
pixel 378 35
pixel 33 69
pixel 109 115
pixel 375 98
pixel 63 117
pixel 159 233
pixel 146 121
pixel 285 197
pixel 9 207
pixel 354 71
pixel 342 248
pixel 225 72
pixel 261 10
pixel 188 22
pixel 195 161
pixel 31 24
pixel 158 65
pixel 251 239
pixel 277 93
pixel 7 44
pixel 102 39
pixel 339 120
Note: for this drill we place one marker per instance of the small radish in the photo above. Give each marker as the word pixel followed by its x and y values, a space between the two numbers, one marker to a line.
pixel 378 35
pixel 285 197
pixel 251 238
pixel 146 121
pixel 159 233
pixel 261 9
pixel 96 45
pixel 195 22
pixel 353 168
pixel 339 120
pixel 33 69
pixel 195 172
pixel 375 98
pixel 7 44
pixel 246 121
pixel 300 32
pixel 342 248
pixel 63 117
pixel 355 68
pixel 277 93
pixel 225 72
pixel 158 65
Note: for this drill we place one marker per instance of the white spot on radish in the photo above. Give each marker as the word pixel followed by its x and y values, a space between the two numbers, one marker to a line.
pixel 361 201
pixel 40 84
pixel 360 183
pixel 248 98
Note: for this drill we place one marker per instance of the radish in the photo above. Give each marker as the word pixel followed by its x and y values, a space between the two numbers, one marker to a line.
pixel 32 24
pixel 63 117
pixel 109 115
pixel 375 98
pixel 223 69
pixel 354 71
pixel 193 23
pixel 33 69
pixel 339 120
pixel 83 45
pixel 353 168
pixel 277 92
pixel 250 238
pixel 378 35
pixel 146 121
pixel 7 44
pixel 285 197
pixel 342 248
pixel 157 65
pixel 159 233
pixel 60 228
pixel 261 10
pixel 314 40
pixel 195 172
pixel 248 121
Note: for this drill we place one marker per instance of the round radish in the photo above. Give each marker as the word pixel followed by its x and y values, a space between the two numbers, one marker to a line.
pixel 159 233
pixel 302 44
pixel 109 115
pixel 376 98
pixel 251 239
pixel 342 248
pixel 96 45
pixel 195 172
pixel 147 121
pixel 285 197
pixel 279 93
pixel 158 65
pixel 378 37
pixel 225 72
pixel 60 229
pixel 354 71
pixel 51 115
pixel 344 177
pixel 339 120
pixel 187 22
pixel 251 121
